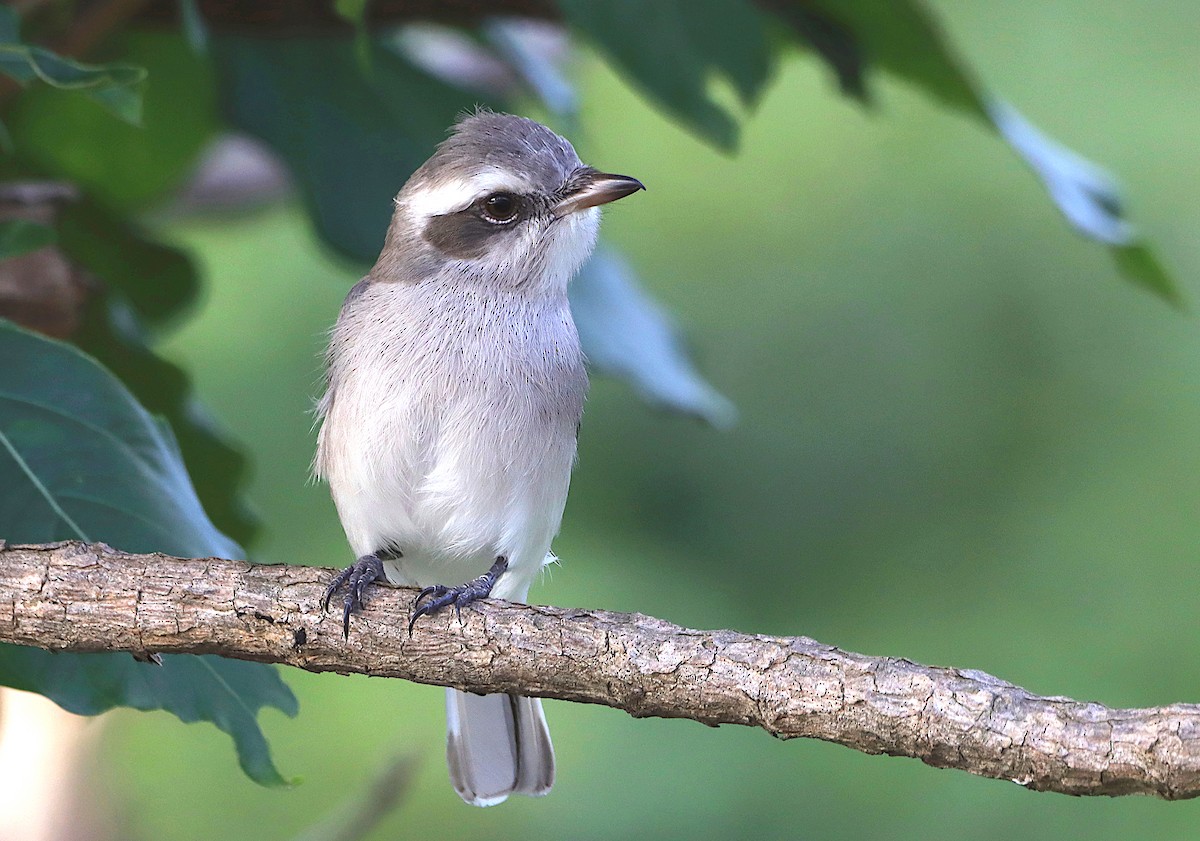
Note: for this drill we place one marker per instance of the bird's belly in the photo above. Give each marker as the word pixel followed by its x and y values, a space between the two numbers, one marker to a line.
pixel 446 488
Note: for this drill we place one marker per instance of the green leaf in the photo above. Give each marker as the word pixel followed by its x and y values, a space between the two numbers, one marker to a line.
pixel 671 49
pixel 833 41
pixel 79 458
pixel 10 25
pixel 195 31
pixel 122 166
pixel 354 12
pixel 626 334
pixel 117 87
pixel 20 236
pixel 112 333
pixel 350 139
pixel 903 37
pixel 151 284
pixel 158 281
pixel 1086 194
pixel 899 36
pixel 534 65
pixel 1140 266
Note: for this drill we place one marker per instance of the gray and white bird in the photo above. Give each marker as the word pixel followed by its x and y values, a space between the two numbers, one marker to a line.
pixel 455 386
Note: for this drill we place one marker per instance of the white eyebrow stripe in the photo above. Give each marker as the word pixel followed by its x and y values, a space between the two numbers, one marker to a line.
pixel 456 194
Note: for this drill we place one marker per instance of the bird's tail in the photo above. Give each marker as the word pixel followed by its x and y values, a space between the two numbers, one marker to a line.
pixel 497 745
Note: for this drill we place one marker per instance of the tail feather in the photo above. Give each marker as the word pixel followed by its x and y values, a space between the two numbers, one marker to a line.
pixel 497 745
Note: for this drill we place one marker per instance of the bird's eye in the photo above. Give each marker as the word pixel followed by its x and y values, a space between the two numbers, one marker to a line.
pixel 500 207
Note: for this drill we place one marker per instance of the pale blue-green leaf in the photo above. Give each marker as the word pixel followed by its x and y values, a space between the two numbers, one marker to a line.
pixel 523 45
pixel 195 30
pixel 626 334
pixel 1086 194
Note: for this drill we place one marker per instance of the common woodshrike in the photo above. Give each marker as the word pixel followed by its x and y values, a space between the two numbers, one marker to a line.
pixel 454 392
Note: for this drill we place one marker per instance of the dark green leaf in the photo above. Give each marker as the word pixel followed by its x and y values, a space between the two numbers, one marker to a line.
pixel 354 12
pixel 79 458
pixel 20 236
pixel 351 139
pixel 672 48
pixel 118 87
pixel 112 334
pixel 899 36
pixel 831 39
pixel 1139 265
pixel 148 283
pixel 626 334
pixel 159 282
pixel 65 137
pixel 10 25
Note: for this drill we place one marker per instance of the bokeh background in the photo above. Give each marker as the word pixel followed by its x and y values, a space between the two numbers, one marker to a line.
pixel 962 439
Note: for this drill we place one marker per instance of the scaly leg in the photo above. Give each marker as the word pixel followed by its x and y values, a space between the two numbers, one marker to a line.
pixel 356 578
pixel 441 596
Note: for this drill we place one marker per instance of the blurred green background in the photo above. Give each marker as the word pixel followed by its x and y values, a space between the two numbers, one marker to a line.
pixel 963 440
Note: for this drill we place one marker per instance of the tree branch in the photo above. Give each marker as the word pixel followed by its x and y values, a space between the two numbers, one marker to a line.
pixel 80 597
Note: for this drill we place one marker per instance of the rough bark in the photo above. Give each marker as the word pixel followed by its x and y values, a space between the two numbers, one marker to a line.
pixel 89 597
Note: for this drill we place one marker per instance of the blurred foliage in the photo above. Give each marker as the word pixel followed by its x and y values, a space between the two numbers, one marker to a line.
pixel 117 87
pixel 125 167
pixel 20 236
pixel 86 462
pixel 958 432
pixel 349 137
pixel 703 38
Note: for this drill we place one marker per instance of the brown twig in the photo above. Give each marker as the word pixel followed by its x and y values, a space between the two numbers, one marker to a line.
pixel 80 597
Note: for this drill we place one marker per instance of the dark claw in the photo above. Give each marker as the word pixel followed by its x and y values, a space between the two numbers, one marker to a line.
pixel 436 590
pixel 356 578
pixel 337 582
pixel 442 596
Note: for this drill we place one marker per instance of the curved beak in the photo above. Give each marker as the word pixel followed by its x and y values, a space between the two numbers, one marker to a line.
pixel 589 188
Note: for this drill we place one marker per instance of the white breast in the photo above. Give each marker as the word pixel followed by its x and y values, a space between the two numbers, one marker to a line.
pixel 449 428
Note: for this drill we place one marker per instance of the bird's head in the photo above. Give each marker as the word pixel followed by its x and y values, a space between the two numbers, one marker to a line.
pixel 503 200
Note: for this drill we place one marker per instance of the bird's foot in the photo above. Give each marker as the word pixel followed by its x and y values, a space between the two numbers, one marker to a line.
pixel 441 596
pixel 356 578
